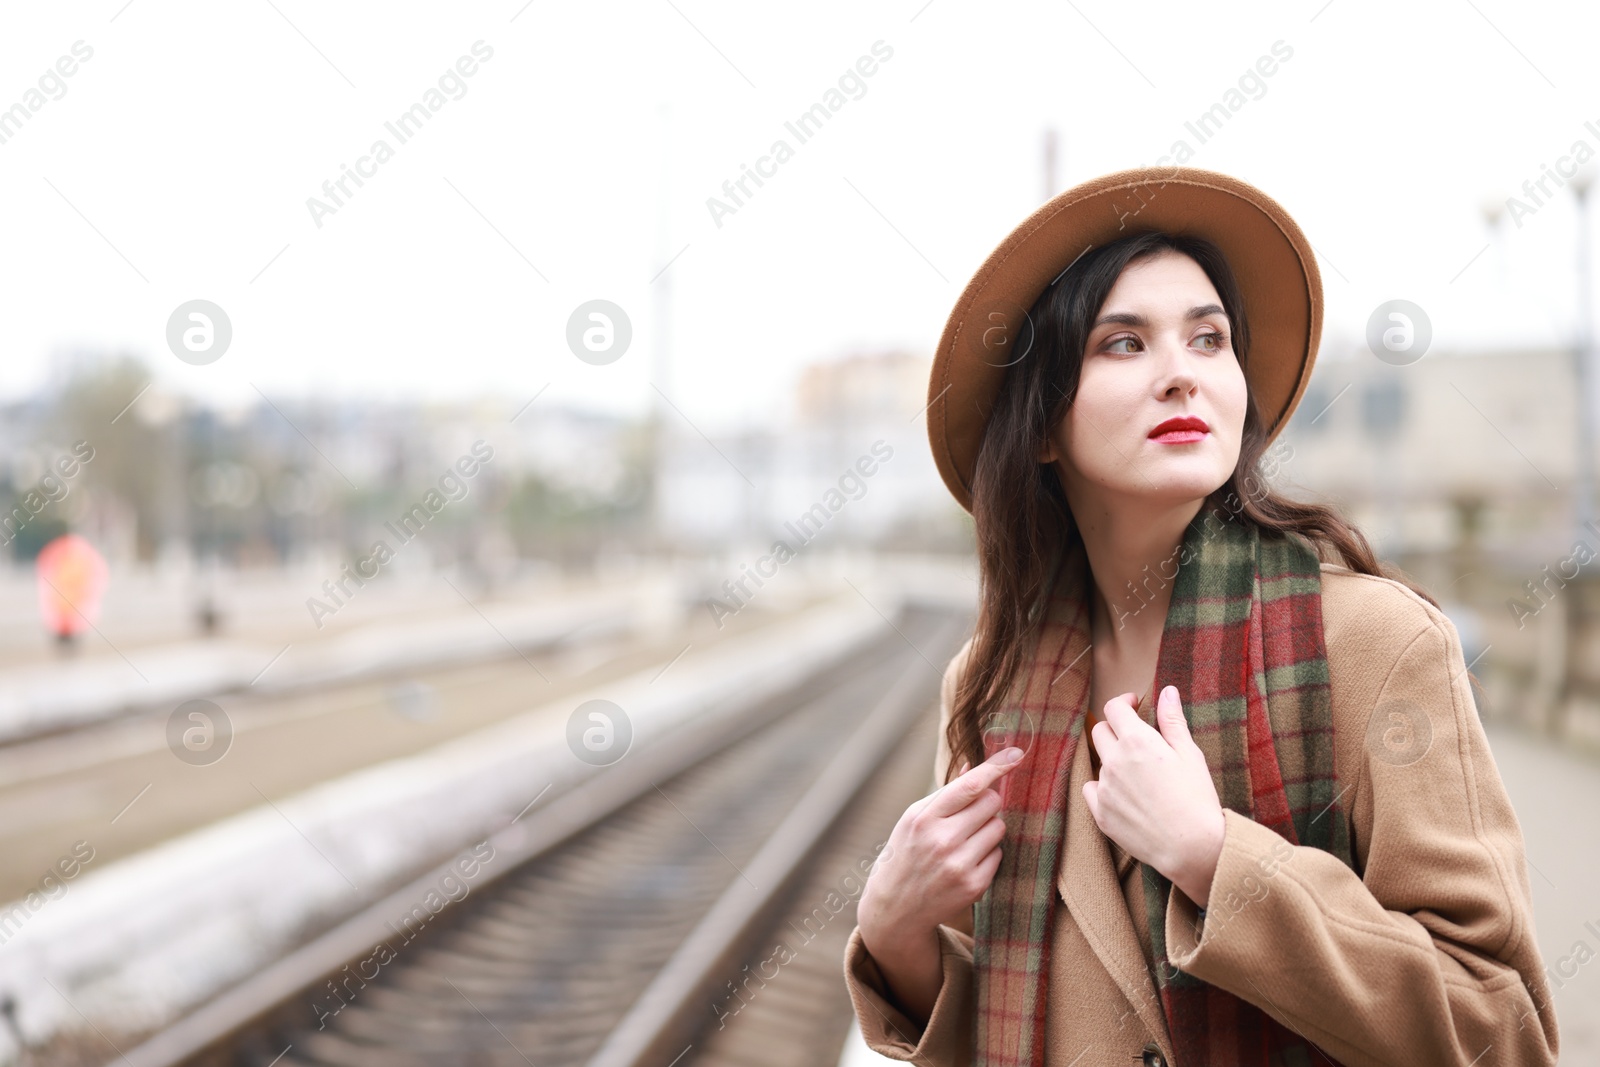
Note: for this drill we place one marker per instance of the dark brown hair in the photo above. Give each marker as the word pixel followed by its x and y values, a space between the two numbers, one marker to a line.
pixel 1023 523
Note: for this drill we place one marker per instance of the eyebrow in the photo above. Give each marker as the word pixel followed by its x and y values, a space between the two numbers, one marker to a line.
pixel 1124 318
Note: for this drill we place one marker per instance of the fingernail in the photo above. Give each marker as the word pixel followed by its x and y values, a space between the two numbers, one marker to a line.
pixel 1010 755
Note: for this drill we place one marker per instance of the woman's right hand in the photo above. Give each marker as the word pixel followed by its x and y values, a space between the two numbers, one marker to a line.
pixel 939 860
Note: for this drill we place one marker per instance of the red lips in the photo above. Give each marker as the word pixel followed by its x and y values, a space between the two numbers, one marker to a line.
pixel 1184 422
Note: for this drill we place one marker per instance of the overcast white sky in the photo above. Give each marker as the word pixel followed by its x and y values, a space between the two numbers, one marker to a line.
pixel 178 163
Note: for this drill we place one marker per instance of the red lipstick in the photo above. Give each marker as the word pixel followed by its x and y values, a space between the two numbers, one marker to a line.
pixel 1183 430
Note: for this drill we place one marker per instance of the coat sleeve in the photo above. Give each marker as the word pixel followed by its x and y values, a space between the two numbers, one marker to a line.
pixel 1426 956
pixel 946 1040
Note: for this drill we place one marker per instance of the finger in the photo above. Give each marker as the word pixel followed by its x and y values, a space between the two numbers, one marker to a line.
pixel 1169 717
pixel 965 789
pixel 989 865
pixel 984 837
pixel 925 801
pixel 983 841
pixel 1091 797
pixel 1105 741
pixel 1181 737
pixel 984 807
pixel 1121 716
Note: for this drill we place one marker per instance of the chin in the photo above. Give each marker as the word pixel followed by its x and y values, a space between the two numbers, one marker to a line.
pixel 1166 482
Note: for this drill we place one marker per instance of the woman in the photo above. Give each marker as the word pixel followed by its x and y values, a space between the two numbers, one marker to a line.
pixel 1286 841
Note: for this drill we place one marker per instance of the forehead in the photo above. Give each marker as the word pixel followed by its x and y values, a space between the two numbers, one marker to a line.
pixel 1166 279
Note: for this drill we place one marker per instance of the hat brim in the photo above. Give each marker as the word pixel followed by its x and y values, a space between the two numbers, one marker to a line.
pixel 1273 263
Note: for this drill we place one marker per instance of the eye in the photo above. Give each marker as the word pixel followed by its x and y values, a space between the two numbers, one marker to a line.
pixel 1218 341
pixel 1110 346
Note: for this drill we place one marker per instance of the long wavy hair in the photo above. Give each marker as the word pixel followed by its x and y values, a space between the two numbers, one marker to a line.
pixel 1023 523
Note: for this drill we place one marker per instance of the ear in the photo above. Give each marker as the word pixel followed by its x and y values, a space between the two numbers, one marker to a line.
pixel 1047 451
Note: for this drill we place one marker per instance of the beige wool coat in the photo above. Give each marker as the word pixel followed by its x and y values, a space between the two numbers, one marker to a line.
pixel 1427 956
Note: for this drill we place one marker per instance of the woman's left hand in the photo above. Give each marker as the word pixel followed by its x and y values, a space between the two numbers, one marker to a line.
pixel 1154 796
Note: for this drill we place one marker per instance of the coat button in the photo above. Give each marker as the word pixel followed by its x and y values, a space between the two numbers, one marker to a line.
pixel 1152 1057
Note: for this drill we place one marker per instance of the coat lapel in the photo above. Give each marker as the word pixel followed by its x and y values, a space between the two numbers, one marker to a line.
pixel 1090 885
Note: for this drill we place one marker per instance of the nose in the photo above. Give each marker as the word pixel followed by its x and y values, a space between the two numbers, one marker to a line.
pixel 1175 376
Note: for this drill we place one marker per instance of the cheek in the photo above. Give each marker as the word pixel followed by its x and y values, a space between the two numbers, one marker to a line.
pixel 1231 398
pixel 1234 391
pixel 1232 402
pixel 1239 396
pixel 1237 400
pixel 1113 403
pixel 1104 413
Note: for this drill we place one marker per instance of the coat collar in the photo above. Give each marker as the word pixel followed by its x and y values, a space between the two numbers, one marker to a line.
pixel 1091 885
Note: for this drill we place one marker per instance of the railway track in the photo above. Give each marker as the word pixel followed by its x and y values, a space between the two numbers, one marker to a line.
pixel 688 905
pixel 59 789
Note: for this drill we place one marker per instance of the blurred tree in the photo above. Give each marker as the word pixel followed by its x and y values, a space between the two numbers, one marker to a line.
pixel 35 535
pixel 137 455
pixel 570 524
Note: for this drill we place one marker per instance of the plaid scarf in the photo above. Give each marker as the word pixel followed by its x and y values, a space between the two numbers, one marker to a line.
pixel 1243 644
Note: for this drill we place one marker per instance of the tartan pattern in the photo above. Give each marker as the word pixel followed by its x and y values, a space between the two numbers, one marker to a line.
pixel 1243 644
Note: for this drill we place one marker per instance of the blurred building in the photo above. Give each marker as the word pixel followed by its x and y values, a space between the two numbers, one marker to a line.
pixel 1461 468
pixel 1455 446
pixel 849 465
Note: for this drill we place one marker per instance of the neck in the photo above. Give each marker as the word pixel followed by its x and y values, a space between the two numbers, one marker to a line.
pixel 1132 557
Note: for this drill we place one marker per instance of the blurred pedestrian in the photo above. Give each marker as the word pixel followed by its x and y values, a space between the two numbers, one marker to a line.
pixel 72 578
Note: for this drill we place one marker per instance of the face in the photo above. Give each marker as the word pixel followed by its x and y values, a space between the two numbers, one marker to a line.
pixel 1160 349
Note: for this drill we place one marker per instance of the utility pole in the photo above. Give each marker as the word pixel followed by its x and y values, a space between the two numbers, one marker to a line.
pixel 1584 372
pixel 1584 357
pixel 661 348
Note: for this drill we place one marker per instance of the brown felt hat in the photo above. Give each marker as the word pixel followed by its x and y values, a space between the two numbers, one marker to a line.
pixel 1271 259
